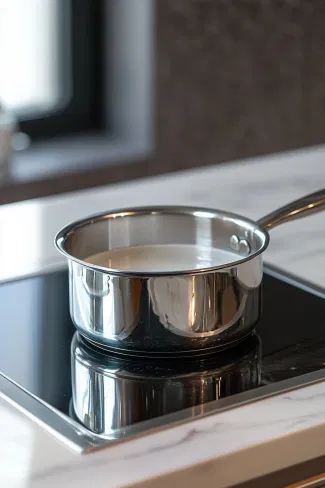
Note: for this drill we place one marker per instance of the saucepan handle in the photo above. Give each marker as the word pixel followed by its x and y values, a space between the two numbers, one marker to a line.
pixel 307 205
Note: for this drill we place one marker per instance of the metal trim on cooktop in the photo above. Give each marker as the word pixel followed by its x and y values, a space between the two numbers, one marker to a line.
pixel 83 441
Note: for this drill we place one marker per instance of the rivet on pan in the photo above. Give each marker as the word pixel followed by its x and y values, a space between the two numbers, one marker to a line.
pixel 244 247
pixel 234 243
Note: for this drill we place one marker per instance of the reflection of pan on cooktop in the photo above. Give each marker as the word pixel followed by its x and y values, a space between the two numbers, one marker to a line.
pixel 110 392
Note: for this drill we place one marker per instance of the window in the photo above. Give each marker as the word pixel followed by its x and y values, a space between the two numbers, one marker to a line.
pixel 80 75
pixel 51 61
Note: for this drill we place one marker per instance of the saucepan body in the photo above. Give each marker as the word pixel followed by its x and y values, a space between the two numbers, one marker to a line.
pixel 170 312
pixel 175 310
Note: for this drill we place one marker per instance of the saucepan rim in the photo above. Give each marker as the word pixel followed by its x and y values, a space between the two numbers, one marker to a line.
pixel 62 236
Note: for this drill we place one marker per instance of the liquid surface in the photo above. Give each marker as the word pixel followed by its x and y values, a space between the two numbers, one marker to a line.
pixel 162 258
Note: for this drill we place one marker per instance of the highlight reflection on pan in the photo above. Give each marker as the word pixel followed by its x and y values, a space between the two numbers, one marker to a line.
pixel 111 392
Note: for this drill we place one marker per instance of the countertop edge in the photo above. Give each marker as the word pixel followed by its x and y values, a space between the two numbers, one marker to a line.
pixel 273 423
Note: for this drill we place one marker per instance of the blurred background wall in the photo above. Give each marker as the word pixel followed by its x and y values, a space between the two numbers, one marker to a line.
pixel 239 78
pixel 157 86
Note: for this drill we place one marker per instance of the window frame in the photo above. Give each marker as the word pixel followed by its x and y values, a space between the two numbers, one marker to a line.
pixel 82 46
pixel 128 103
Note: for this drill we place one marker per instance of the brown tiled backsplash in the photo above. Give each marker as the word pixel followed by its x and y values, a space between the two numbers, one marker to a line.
pixel 238 78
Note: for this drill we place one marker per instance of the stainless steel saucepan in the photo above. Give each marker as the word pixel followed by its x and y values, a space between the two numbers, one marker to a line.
pixel 175 312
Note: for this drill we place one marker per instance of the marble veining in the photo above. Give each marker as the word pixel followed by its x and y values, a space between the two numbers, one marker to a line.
pixel 195 441
pixel 31 458
pixel 252 188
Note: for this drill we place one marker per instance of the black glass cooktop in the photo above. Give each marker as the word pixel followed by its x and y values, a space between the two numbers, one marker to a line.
pixel 69 385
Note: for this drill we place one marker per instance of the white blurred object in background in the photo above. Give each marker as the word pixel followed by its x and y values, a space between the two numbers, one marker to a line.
pixel 29 44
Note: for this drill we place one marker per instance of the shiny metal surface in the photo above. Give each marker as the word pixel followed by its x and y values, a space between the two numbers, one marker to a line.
pixel 111 393
pixel 170 313
pixel 166 314
pixel 159 225
pixel 307 205
pixel 175 312
pixel 68 430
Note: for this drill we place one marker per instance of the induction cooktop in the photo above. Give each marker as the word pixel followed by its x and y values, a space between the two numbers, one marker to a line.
pixel 90 398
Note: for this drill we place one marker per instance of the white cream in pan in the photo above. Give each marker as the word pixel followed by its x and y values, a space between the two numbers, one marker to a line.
pixel 162 258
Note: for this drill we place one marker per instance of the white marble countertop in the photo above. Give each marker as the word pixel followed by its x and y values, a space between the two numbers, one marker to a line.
pixel 277 431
